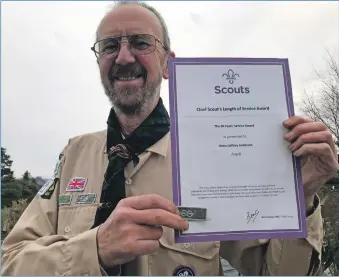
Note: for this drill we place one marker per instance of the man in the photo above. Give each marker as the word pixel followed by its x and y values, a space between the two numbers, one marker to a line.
pixel 109 209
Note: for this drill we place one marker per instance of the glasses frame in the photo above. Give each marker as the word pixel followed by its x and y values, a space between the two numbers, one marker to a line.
pixel 119 39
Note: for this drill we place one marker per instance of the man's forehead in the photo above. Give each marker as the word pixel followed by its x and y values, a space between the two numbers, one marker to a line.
pixel 129 19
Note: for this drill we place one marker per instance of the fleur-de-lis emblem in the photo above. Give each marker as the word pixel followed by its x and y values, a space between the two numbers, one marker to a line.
pixel 230 76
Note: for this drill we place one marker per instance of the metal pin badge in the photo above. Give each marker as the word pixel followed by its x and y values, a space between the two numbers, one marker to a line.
pixel 192 213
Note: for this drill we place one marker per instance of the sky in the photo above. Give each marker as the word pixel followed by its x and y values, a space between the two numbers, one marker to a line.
pixel 51 89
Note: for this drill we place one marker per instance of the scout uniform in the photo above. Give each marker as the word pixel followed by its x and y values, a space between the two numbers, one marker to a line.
pixel 54 234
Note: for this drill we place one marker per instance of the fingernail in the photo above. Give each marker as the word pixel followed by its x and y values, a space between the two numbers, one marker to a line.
pixel 286 122
pixel 184 226
pixel 188 225
pixel 297 153
pixel 288 136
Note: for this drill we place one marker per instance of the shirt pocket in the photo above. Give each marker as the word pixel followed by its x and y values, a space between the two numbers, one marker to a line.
pixel 174 259
pixel 73 220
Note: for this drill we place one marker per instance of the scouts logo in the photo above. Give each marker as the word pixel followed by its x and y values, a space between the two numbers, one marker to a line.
pixel 183 271
pixel 231 76
pixel 77 184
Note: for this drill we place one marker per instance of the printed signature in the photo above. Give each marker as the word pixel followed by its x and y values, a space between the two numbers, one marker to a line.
pixel 251 216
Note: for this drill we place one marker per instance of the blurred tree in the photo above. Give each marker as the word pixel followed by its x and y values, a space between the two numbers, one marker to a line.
pixel 13 189
pixel 10 191
pixel 323 105
pixel 26 176
pixel 7 174
pixel 29 186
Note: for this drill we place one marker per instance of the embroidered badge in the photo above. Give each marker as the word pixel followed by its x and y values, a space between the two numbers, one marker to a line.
pixel 77 184
pixel 65 199
pixel 86 198
pixel 183 271
pixel 47 190
pixel 57 167
pixel 45 186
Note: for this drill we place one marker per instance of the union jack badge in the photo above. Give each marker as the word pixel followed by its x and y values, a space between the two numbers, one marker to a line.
pixel 77 184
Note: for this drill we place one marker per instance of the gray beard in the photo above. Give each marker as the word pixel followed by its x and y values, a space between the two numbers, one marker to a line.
pixel 141 97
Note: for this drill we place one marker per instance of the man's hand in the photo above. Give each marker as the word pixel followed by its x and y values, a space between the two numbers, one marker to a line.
pixel 134 228
pixel 313 142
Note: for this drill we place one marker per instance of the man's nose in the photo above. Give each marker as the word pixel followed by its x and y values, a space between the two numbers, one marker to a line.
pixel 125 56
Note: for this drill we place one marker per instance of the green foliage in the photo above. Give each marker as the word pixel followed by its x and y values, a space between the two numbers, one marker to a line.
pixel 6 166
pixel 10 216
pixel 26 176
pixel 16 193
pixel 10 192
pixel 13 189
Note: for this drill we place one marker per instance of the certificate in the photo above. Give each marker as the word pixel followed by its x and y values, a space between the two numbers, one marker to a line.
pixel 229 156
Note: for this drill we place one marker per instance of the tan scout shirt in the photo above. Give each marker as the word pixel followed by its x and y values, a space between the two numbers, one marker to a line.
pixel 52 239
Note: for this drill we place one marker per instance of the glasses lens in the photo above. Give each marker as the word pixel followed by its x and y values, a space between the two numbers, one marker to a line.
pixel 139 45
pixel 108 46
pixel 142 44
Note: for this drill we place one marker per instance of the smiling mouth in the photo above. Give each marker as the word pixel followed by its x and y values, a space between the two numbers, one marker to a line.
pixel 130 78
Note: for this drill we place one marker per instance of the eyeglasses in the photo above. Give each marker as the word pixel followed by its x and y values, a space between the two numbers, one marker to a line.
pixel 138 44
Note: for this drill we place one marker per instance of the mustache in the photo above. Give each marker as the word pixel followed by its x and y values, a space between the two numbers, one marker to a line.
pixel 134 69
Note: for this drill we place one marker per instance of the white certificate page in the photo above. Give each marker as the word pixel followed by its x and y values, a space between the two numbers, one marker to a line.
pixel 229 155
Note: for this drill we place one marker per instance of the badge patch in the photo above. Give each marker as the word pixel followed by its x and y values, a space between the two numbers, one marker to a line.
pixel 47 192
pixel 65 199
pixel 57 169
pixel 45 186
pixel 183 271
pixel 86 198
pixel 77 184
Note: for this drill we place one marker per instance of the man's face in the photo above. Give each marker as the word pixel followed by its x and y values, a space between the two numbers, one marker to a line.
pixel 130 78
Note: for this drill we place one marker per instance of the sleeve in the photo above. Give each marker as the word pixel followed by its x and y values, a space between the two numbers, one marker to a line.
pixel 276 257
pixel 33 247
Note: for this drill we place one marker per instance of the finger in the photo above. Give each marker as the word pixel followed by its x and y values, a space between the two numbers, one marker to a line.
pixel 304 128
pixel 148 232
pixel 159 217
pixel 151 201
pixel 295 120
pixel 317 137
pixel 144 247
pixel 316 149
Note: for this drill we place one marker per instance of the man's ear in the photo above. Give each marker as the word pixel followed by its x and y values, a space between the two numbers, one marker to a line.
pixel 170 55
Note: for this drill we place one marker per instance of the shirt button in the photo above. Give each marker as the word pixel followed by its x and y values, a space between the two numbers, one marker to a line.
pixel 67 229
pixel 129 181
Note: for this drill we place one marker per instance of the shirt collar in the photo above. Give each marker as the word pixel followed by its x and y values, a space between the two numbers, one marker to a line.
pixel 160 147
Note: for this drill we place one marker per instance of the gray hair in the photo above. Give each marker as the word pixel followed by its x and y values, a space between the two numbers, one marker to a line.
pixel 166 38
